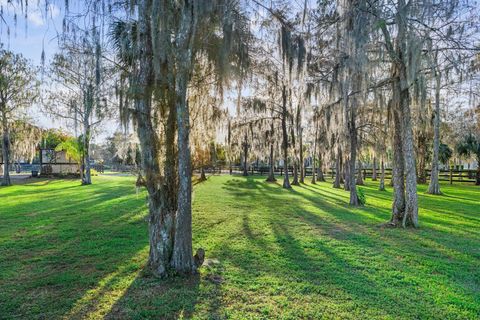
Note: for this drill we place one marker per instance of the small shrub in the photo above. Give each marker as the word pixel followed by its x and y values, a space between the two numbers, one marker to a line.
pixel 361 197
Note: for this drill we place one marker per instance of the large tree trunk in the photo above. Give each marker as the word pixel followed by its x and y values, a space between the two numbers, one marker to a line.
pixel 411 197
pixel 286 181
pixel 404 157
pixel 408 215
pixel 161 202
pixel 182 260
pixel 6 152
pixel 162 215
pixel 398 178
pixel 434 186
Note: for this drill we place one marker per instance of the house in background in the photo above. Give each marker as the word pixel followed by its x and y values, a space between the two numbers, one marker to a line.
pixel 47 161
pixel 56 162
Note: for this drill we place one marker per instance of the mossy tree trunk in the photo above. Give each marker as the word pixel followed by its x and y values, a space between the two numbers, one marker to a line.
pixel 434 186
pixel 6 181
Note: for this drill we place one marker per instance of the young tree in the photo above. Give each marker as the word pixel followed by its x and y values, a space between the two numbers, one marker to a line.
pixel 80 91
pixel 18 90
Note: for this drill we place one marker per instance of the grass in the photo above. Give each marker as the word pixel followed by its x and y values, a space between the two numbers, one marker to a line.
pixel 73 252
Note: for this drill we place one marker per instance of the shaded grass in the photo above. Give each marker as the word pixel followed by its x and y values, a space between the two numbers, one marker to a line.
pixel 68 251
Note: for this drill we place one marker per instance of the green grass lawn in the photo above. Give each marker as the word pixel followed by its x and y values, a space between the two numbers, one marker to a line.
pixel 74 252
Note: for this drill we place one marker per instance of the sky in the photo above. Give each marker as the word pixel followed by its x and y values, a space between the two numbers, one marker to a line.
pixel 29 35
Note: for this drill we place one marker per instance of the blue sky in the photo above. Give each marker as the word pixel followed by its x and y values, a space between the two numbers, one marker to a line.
pixel 29 35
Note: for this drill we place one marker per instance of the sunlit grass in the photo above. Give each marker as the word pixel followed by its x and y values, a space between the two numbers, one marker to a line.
pixel 74 252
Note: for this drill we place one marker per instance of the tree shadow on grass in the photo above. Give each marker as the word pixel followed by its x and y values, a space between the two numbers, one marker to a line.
pixel 340 227
pixel 59 248
pixel 172 298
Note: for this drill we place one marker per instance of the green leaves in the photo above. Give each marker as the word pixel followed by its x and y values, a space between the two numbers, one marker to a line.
pixel 72 147
pixel 468 146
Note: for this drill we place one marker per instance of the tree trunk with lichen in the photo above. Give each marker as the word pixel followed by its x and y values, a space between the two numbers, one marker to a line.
pixel 338 173
pixel 434 186
pixel 245 156
pixel 320 175
pixel 314 180
pixel 374 169
pixel 5 150
pixel 286 181
pixel 302 168
pixel 398 178
pixel 182 258
pixel 477 176
pixel 360 174
pixel 271 173
pixel 382 176
pixel 346 172
pixel 405 205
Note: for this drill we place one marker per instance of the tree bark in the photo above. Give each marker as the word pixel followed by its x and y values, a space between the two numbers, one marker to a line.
pixel 203 177
pixel 422 150
pixel 411 197
pixel 6 181
pixel 346 170
pixel 245 156
pixel 374 169
pixel 477 178
pixel 351 110
pixel 336 183
pixel 434 186
pixel 320 176
pixel 271 173
pixel 286 182
pixel 302 169
pixel 314 181
pixel 295 159
pixel 405 205
pixel 360 174
pixel 87 178
pixel 161 199
pixel 182 259
pixel 382 176
pixel 398 178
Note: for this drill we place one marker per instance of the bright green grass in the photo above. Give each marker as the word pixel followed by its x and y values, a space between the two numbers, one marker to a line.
pixel 72 252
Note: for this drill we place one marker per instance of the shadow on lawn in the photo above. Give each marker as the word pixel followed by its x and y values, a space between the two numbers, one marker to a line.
pixel 64 248
pixel 351 269
pixel 344 258
pixel 95 267
pixel 171 298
